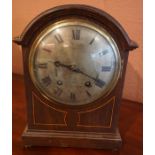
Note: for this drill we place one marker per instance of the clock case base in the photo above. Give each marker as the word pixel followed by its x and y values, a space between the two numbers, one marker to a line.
pixel 72 139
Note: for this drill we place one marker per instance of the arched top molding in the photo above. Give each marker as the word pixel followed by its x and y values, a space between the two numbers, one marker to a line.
pixel 80 11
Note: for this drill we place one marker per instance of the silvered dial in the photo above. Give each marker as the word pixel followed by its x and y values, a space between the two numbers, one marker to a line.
pixel 74 62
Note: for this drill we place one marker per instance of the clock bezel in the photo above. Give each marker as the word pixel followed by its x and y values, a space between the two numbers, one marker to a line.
pixel 81 22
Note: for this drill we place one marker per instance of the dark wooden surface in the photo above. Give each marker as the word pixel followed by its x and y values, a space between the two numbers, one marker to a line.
pixel 130 128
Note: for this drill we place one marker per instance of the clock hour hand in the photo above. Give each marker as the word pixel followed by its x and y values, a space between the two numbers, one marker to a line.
pixel 57 64
pixel 100 83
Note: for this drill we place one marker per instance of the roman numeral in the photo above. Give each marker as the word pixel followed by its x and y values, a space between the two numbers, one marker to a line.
pixel 58 91
pixel 47 81
pixel 91 42
pixel 87 92
pixel 99 83
pixel 47 50
pixel 58 38
pixel 42 65
pixel 103 52
pixel 72 96
pixel 76 34
pixel 106 68
pixel 56 72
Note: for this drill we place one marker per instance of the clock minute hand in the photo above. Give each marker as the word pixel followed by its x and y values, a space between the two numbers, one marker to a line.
pixel 100 83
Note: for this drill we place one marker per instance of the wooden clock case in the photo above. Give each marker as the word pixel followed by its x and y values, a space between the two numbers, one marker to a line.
pixel 93 125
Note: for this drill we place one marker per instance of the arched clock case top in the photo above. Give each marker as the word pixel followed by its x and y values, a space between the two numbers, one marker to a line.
pixel 92 125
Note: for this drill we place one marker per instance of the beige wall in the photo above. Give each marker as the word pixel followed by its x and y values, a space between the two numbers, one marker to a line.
pixel 127 12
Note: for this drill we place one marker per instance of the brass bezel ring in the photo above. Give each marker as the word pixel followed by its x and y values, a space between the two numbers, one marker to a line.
pixel 78 22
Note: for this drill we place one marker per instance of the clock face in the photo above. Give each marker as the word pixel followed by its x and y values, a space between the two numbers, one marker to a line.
pixel 74 62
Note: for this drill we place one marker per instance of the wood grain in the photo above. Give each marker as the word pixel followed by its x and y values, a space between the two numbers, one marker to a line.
pixel 130 128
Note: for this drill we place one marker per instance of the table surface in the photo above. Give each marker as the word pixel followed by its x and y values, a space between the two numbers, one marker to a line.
pixel 131 128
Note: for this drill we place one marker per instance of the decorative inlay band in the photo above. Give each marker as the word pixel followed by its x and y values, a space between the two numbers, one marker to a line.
pixel 61 112
pixel 88 113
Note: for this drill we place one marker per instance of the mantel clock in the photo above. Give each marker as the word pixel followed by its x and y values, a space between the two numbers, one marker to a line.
pixel 74 59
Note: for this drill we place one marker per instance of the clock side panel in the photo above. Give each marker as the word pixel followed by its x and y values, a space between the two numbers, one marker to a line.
pixel 119 89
